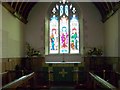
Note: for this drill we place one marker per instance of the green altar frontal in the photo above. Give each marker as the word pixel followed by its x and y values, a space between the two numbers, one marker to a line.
pixel 62 73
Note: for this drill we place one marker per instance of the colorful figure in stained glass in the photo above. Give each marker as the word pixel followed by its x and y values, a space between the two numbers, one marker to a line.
pixel 74 39
pixel 64 37
pixel 64 40
pixel 54 35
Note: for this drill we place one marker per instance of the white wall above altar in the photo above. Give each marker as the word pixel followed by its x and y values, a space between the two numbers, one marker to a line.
pixel 75 58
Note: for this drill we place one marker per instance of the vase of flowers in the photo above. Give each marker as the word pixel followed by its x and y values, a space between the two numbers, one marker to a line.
pixel 95 52
pixel 30 52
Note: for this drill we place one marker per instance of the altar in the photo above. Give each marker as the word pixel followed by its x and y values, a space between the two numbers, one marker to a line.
pixel 59 72
pixel 63 72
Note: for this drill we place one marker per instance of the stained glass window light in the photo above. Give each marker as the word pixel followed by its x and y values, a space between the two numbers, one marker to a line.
pixel 54 35
pixel 61 10
pixel 66 10
pixel 64 35
pixel 74 35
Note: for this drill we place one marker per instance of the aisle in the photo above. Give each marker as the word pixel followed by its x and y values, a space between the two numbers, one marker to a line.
pixel 62 88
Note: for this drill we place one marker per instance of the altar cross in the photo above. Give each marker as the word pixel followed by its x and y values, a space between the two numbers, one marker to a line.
pixel 63 73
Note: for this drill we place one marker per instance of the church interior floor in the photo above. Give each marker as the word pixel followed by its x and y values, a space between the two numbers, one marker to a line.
pixel 62 88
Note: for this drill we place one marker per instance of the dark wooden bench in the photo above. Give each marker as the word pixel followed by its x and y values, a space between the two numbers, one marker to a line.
pixel 42 80
pixel 4 78
pixel 98 81
pixel 23 82
pixel 118 79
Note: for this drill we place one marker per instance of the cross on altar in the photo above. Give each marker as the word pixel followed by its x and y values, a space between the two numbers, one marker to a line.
pixel 63 73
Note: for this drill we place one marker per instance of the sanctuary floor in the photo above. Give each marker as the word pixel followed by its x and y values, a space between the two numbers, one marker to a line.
pixel 62 88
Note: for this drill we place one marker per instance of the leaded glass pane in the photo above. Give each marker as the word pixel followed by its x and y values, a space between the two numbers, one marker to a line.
pixel 57 6
pixel 64 35
pixel 61 10
pixel 54 10
pixel 74 10
pixel 70 6
pixel 66 10
pixel 54 35
pixel 74 35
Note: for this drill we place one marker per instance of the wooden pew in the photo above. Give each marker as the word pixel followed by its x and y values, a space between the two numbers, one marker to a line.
pixel 118 79
pixel 13 74
pixel 10 76
pixel 42 80
pixel 21 82
pixel 118 73
pixel 82 79
pixel 4 78
pixel 3 73
pixel 101 82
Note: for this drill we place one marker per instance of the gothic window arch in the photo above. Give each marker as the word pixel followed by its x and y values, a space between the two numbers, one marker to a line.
pixel 64 29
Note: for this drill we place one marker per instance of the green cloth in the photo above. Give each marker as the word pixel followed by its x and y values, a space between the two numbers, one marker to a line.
pixel 63 74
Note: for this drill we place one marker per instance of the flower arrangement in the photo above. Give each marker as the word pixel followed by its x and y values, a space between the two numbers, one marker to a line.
pixel 31 51
pixel 95 52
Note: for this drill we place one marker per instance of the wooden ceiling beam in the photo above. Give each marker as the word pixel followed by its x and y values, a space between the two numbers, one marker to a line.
pixel 108 7
pixel 12 3
pixel 105 8
pixel 22 9
pixel 16 5
pixel 26 10
pixel 98 5
pixel 111 5
pixel 115 8
pixel 8 7
pixel 13 12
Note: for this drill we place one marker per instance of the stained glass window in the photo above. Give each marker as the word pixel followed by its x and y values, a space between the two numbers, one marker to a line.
pixel 64 29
